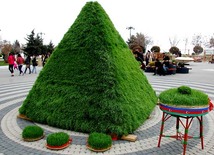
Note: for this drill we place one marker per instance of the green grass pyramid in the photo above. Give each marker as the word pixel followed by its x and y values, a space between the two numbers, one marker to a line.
pixel 91 82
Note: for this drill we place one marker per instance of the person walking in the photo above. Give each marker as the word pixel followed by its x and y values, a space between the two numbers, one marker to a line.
pixel 27 63
pixel 20 61
pixel 11 60
pixel 34 63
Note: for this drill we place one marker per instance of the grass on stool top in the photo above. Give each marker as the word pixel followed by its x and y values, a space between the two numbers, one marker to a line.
pixel 184 96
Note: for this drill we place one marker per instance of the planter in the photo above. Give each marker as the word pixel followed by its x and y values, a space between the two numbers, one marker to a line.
pixel 24 117
pixel 187 102
pixel 114 136
pixel 59 147
pixel 99 142
pixel 97 150
pixel 33 139
pixel 58 141
pixel 32 133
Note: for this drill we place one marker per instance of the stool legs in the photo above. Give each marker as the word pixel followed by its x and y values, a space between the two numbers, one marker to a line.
pixel 177 127
pixel 186 126
pixel 200 119
pixel 185 136
pixel 161 130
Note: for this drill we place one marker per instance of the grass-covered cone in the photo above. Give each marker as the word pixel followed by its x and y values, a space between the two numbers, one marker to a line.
pixel 92 81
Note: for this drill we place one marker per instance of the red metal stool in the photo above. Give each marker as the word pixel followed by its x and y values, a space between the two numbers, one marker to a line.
pixel 188 114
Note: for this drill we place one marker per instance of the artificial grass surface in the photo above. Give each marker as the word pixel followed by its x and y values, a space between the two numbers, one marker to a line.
pixel 99 140
pixel 188 97
pixel 92 82
pixel 57 139
pixel 32 131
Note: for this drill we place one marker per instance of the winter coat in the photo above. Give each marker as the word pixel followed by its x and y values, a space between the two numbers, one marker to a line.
pixel 11 59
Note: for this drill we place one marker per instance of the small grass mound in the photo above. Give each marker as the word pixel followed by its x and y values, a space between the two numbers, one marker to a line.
pixel 32 132
pixel 57 139
pixel 99 140
pixel 183 96
pixel 184 90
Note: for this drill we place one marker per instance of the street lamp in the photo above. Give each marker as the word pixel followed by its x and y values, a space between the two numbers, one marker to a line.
pixel 130 29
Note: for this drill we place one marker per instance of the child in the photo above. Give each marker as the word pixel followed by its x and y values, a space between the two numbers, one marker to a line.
pixel 15 65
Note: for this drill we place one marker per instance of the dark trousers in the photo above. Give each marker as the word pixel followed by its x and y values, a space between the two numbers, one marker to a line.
pixel 20 69
pixel 27 67
pixel 11 68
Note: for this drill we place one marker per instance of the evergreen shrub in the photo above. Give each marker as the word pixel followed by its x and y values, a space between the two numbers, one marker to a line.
pixel 32 132
pixel 57 139
pixel 99 140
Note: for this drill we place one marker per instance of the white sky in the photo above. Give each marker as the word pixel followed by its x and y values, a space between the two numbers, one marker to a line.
pixel 159 19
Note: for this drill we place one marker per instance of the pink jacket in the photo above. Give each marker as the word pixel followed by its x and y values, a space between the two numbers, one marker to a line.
pixel 11 59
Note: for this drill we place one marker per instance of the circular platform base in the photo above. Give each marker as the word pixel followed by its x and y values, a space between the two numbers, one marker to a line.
pixel 33 139
pixel 97 150
pixel 59 147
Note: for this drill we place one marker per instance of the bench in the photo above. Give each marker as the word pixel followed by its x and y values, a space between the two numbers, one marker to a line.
pixel 183 70
pixel 172 69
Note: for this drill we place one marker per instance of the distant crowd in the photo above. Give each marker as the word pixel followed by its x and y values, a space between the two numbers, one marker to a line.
pixel 160 67
pixel 17 62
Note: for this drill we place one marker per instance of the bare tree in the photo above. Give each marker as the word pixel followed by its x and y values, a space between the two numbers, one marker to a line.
pixel 16 46
pixel 186 43
pixel 148 41
pixel 173 42
pixel 6 49
pixel 211 41
pixel 197 40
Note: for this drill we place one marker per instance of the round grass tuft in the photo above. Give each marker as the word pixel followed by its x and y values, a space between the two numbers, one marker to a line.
pixel 57 139
pixel 184 90
pixel 99 140
pixel 32 131
pixel 183 96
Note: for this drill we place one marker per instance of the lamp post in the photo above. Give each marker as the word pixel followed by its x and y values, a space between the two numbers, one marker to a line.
pixel 130 29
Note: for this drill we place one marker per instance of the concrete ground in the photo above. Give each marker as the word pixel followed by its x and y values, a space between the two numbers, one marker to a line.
pixel 13 91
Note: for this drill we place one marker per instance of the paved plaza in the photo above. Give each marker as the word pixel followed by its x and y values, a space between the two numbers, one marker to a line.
pixel 13 91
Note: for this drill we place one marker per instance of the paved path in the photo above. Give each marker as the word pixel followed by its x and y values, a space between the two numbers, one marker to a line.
pixel 13 91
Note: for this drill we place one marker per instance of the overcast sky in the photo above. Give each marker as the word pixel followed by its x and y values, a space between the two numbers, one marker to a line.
pixel 159 19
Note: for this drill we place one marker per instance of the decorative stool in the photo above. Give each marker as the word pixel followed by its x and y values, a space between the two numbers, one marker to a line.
pixel 188 114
